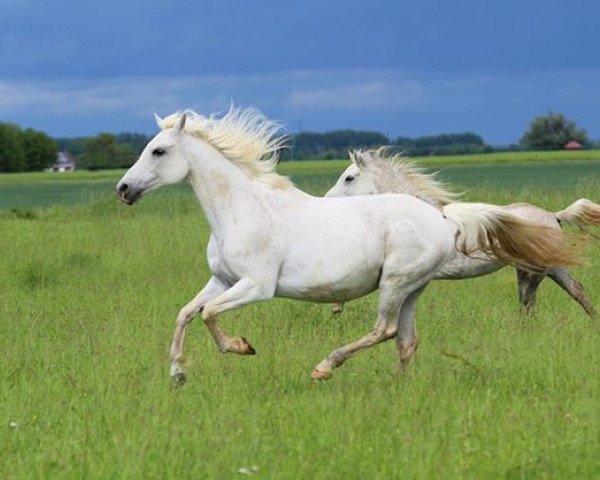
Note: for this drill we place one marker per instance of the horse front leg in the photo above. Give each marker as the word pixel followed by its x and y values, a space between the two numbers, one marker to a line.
pixel 244 292
pixel 215 298
pixel 213 288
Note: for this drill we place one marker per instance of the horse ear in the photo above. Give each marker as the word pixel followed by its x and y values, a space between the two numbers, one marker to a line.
pixel 357 159
pixel 158 121
pixel 181 122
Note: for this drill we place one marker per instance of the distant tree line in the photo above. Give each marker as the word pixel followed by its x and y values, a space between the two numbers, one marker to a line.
pixel 335 144
pixel 29 150
pixel 445 144
pixel 25 150
pixel 120 151
pixel 330 145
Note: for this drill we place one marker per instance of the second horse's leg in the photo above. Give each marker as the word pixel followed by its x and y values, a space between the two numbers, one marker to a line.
pixel 528 283
pixel 567 282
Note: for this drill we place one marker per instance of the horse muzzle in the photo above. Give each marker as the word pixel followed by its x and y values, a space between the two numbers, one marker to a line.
pixel 128 194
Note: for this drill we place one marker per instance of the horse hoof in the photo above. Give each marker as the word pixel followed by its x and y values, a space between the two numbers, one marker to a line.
pixel 178 379
pixel 320 375
pixel 241 346
pixel 337 308
pixel 249 348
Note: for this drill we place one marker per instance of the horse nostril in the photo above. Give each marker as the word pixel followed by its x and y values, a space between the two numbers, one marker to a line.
pixel 123 188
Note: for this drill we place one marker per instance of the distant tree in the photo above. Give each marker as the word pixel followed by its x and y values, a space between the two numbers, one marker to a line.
pixel 333 144
pixel 344 139
pixel 303 145
pixel 444 144
pixel 75 146
pixel 39 149
pixel 551 132
pixel 448 139
pixel 405 143
pixel 12 154
pixel 137 141
pixel 103 151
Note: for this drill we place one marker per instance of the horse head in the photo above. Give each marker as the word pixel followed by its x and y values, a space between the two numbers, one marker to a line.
pixel 161 163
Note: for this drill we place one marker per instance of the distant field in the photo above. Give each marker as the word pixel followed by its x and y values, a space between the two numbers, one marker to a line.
pixel 509 170
pixel 518 157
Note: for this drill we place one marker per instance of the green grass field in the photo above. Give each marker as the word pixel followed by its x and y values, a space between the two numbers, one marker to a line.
pixel 511 170
pixel 90 292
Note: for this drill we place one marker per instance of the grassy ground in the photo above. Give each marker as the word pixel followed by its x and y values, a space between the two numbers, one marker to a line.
pixel 89 297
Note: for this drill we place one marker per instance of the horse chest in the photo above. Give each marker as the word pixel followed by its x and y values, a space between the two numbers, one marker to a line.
pixel 232 261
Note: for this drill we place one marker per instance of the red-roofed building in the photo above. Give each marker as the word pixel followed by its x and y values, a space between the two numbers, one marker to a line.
pixel 573 145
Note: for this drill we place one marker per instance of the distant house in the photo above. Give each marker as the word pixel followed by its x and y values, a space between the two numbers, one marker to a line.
pixel 573 145
pixel 65 162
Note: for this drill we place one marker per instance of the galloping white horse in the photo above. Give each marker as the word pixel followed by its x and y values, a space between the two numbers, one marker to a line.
pixel 376 171
pixel 270 239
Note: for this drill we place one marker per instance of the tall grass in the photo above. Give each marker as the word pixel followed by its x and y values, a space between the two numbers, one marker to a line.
pixel 89 297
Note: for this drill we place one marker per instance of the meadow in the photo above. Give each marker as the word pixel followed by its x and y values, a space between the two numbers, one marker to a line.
pixel 90 292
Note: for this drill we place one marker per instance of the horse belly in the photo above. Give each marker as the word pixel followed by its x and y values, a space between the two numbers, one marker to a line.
pixel 330 278
pixel 328 292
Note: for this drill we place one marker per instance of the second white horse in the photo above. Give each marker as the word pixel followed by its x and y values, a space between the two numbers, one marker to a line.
pixel 376 171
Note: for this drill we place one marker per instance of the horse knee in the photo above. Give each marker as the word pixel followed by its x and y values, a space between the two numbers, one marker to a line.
pixel 391 332
pixel 186 315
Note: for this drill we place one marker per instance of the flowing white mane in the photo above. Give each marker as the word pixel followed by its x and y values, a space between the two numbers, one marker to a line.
pixel 244 136
pixel 398 174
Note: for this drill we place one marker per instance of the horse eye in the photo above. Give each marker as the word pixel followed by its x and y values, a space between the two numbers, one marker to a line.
pixel 159 152
pixel 349 178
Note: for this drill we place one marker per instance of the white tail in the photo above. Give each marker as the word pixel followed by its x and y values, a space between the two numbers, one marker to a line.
pixel 499 234
pixel 581 213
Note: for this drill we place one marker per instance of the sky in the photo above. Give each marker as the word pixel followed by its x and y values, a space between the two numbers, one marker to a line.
pixel 403 68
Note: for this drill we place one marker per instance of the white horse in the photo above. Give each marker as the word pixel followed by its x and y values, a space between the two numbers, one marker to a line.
pixel 377 171
pixel 270 239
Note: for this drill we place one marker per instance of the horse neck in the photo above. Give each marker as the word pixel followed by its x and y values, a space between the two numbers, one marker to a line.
pixel 220 186
pixel 226 193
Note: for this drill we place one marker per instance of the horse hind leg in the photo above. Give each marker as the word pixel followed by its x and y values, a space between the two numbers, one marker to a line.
pixel 406 338
pixel 323 370
pixel 380 333
pixel 391 298
pixel 528 283
pixel 567 282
